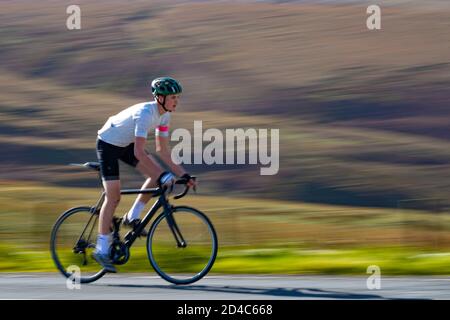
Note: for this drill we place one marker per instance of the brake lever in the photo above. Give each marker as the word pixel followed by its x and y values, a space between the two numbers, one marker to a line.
pixel 186 189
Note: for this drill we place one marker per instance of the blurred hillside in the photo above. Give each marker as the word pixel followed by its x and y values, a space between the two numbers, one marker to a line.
pixel 363 115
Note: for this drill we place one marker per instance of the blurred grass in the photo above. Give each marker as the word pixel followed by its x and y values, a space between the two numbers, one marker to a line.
pixel 257 260
pixel 255 235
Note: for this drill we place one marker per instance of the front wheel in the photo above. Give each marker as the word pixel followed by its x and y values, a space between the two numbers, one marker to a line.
pixel 182 245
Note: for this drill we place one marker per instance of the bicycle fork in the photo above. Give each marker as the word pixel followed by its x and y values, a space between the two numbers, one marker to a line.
pixel 181 243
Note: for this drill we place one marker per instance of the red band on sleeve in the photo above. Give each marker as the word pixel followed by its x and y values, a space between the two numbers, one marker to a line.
pixel 163 128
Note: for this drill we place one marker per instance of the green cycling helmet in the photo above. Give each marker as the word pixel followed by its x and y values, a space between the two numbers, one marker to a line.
pixel 165 85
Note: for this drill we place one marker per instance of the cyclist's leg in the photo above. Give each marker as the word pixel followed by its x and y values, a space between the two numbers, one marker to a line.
pixel 112 199
pixel 108 156
pixel 150 182
pixel 142 199
pixel 102 249
pixel 139 204
pixel 152 174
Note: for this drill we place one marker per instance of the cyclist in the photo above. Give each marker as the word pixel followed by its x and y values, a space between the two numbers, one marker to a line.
pixel 123 137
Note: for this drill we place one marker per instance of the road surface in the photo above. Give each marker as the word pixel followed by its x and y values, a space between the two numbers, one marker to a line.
pixel 236 287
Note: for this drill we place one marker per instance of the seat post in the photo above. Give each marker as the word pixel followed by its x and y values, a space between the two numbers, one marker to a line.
pixel 100 181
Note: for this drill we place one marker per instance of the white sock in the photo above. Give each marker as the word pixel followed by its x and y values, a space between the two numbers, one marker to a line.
pixel 103 243
pixel 135 211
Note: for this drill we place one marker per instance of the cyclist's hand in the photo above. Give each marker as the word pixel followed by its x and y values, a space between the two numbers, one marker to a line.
pixel 191 182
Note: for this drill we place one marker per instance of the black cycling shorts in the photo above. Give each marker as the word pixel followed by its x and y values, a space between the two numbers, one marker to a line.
pixel 108 155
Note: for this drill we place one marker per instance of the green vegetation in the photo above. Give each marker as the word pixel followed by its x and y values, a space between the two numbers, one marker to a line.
pixel 257 260
pixel 255 236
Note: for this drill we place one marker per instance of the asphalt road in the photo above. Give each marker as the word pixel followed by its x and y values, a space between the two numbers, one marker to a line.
pixel 250 287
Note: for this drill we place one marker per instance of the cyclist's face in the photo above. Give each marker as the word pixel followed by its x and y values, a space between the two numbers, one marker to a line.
pixel 172 102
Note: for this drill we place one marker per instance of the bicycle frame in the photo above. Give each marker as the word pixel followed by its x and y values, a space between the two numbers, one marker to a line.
pixel 162 201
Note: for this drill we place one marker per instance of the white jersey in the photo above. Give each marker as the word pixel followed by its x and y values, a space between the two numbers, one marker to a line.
pixel 136 121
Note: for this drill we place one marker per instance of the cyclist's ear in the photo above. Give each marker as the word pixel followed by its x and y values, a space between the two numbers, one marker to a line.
pixel 159 98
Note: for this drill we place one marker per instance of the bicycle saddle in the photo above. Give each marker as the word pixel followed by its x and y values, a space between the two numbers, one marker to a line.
pixel 90 165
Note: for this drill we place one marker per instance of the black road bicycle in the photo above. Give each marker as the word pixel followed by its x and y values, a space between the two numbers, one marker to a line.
pixel 181 242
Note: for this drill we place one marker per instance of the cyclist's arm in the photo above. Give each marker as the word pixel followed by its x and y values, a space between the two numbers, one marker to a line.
pixel 146 159
pixel 163 150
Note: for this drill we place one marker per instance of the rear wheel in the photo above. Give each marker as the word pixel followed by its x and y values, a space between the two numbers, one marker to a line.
pixel 72 243
pixel 188 261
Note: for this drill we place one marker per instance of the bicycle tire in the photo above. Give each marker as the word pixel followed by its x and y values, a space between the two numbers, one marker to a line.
pixel 53 245
pixel 212 256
